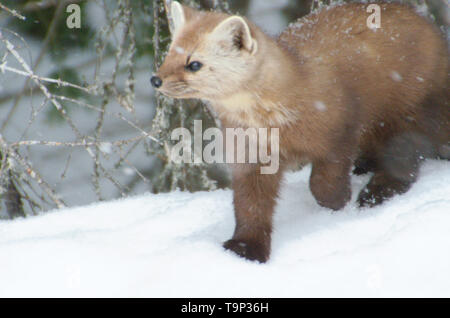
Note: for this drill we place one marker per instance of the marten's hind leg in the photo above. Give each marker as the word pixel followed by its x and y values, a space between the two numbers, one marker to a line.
pixel 397 168
pixel 382 186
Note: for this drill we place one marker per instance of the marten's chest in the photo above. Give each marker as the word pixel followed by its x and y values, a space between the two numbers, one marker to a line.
pixel 244 110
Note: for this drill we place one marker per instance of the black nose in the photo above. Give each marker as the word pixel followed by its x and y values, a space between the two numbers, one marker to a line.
pixel 156 82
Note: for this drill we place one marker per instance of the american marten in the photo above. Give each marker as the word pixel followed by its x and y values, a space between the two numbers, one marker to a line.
pixel 342 94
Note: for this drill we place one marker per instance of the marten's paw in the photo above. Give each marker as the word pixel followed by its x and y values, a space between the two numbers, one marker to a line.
pixel 367 199
pixel 382 187
pixel 252 251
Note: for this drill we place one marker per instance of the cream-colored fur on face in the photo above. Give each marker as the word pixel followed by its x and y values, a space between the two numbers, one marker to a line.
pixel 226 67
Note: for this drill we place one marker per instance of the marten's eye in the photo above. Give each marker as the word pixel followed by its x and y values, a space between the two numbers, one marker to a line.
pixel 194 66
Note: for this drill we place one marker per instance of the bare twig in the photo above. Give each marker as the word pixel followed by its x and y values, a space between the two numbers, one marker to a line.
pixel 13 199
pixel 98 130
pixel 82 144
pixel 58 107
pixel 47 39
pixel 4 67
pixel 31 172
pixel 12 12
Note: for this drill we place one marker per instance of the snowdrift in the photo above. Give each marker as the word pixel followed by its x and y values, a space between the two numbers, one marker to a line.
pixel 169 245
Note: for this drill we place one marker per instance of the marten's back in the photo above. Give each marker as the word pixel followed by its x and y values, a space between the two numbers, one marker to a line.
pixel 397 74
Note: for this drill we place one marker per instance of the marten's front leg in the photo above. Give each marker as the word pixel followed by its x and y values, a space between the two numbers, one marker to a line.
pixel 254 200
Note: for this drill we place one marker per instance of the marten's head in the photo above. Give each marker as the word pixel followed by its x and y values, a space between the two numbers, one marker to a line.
pixel 212 55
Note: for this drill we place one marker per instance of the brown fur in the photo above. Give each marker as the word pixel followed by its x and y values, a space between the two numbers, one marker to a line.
pixel 340 93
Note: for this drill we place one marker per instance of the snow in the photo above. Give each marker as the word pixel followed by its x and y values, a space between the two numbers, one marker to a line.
pixel 396 76
pixel 169 245
pixel 320 106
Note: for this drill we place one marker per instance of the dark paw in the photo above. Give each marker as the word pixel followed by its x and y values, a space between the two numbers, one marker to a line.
pixel 374 194
pixel 250 250
pixel 369 199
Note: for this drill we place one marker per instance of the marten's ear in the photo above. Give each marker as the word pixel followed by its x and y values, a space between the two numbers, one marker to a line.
pixel 236 32
pixel 178 17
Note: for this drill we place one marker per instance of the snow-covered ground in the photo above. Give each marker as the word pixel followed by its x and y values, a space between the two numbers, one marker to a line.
pixel 169 245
